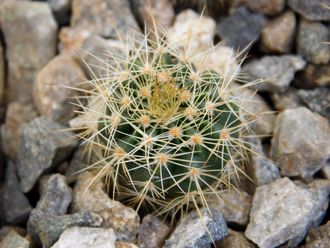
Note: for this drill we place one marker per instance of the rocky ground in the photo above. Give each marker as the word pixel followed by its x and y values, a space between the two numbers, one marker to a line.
pixel 41 203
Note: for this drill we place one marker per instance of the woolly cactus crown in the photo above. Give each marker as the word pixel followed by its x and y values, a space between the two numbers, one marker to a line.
pixel 161 132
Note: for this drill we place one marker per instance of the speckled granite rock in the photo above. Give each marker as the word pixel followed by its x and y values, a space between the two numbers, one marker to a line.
pixel 91 197
pixel 311 40
pixel 317 100
pixel 283 212
pixel 191 232
pixel 312 10
pixel 44 145
pixel 296 151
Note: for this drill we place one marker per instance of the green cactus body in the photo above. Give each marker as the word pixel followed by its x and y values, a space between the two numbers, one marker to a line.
pixel 168 134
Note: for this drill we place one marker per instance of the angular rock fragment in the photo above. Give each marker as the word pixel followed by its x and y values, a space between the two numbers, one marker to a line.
pixel 88 196
pixel 282 212
pixel 86 237
pixel 301 142
pixel 198 230
pixel 311 42
pixel 44 145
pixel 241 29
pixel 276 71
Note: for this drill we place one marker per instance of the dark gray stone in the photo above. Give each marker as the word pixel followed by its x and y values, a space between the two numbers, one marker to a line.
pixel 16 206
pixel 315 10
pixel 311 42
pixel 198 230
pixel 317 100
pixel 241 29
pixel 267 7
pixel 44 145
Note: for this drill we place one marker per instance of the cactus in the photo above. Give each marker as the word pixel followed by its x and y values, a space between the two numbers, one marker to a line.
pixel 161 133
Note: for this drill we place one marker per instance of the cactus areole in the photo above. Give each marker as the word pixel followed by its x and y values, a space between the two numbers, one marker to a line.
pixel 164 133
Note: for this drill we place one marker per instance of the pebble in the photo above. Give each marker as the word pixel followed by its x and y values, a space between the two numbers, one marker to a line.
pixel 311 10
pixel 234 205
pixel 89 196
pixel 198 229
pixel 267 7
pixel 318 237
pixel 14 240
pixel 276 71
pixel 17 114
pixel 255 105
pixel 221 59
pixel 50 228
pixel 313 75
pixel 278 35
pixel 261 169
pixel 241 29
pixel 154 12
pixel 286 100
pixel 281 212
pixel 27 49
pixel 97 54
pixel 311 40
pixel 16 206
pixel 55 87
pixel 235 240
pixel 104 17
pixel 317 100
pixel 296 151
pixel 86 237
pixel 192 32
pixel 44 144
pixel 153 232
pixel 61 10
pixel 71 40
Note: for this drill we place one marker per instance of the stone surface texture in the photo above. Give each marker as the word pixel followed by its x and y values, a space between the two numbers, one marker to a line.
pixel 53 89
pixel 44 145
pixel 301 142
pixel 30 35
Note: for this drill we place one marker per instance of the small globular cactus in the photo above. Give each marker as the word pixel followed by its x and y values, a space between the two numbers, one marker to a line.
pixel 160 132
